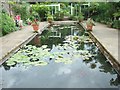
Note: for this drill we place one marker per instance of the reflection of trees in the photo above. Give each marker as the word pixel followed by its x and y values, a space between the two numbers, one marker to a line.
pixel 6 67
pixel 81 47
pixel 54 41
pixel 91 48
pixel 105 65
pixel 36 41
pixel 64 32
pixel 115 81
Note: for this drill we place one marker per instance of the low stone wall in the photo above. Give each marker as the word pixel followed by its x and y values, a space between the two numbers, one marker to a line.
pixel 64 22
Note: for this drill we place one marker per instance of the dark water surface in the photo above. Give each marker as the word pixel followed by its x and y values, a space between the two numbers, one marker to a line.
pixel 94 73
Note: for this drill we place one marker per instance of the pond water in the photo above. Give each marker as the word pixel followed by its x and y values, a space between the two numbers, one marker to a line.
pixel 63 56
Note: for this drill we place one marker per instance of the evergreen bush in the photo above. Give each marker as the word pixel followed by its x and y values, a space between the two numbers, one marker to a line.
pixel 7 24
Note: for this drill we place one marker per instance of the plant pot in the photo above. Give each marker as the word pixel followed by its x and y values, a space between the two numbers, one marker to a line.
pixel 50 20
pixel 89 27
pixel 80 20
pixel 35 27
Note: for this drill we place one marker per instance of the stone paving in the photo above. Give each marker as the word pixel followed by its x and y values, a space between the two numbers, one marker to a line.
pixel 108 37
pixel 13 40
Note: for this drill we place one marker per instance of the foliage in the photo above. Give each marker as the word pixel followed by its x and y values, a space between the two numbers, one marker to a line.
pixel 59 15
pixel 22 10
pixel 34 18
pixel 42 10
pixel 49 17
pixel 117 14
pixel 116 24
pixel 103 12
pixel 72 17
pixel 80 16
pixel 7 24
pixel 34 15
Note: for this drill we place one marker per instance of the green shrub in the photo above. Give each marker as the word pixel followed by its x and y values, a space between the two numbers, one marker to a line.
pixel 34 15
pixel 22 10
pixel 41 10
pixel 59 15
pixel 80 17
pixel 7 24
pixel 49 17
pixel 116 24
pixel 72 17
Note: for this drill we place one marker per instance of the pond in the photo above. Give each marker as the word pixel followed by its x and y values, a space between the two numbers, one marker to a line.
pixel 63 56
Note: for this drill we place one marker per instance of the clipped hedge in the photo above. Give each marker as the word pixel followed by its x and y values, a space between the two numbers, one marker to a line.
pixel 7 24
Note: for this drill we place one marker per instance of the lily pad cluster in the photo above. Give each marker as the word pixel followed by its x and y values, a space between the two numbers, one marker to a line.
pixel 38 56
pixel 30 55
pixel 68 53
pixel 79 39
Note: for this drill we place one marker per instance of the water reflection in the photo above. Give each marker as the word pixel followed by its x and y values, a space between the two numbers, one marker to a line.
pixel 115 82
pixel 97 62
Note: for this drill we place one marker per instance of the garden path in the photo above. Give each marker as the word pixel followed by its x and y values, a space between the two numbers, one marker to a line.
pixel 12 41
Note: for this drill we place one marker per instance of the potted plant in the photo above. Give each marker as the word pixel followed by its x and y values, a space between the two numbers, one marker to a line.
pixel 28 21
pixel 35 21
pixel 35 25
pixel 90 23
pixel 50 18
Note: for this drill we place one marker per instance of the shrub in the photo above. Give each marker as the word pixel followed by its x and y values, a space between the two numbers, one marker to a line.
pixel 116 24
pixel 7 24
pixel 59 15
pixel 49 17
pixel 72 17
pixel 41 10
pixel 80 17
pixel 22 10
pixel 34 16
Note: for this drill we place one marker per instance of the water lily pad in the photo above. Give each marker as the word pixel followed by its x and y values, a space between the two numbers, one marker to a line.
pixel 41 63
pixel 44 46
pixel 10 63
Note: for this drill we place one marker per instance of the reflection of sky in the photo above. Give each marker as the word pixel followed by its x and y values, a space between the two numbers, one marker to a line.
pixel 56 75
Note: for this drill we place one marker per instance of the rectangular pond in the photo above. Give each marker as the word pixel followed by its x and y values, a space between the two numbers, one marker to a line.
pixel 63 56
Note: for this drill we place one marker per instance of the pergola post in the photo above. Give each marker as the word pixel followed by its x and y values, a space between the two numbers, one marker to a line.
pixel 52 10
pixel 58 7
pixel 80 8
pixel 76 9
pixel 71 9
pixel 55 9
